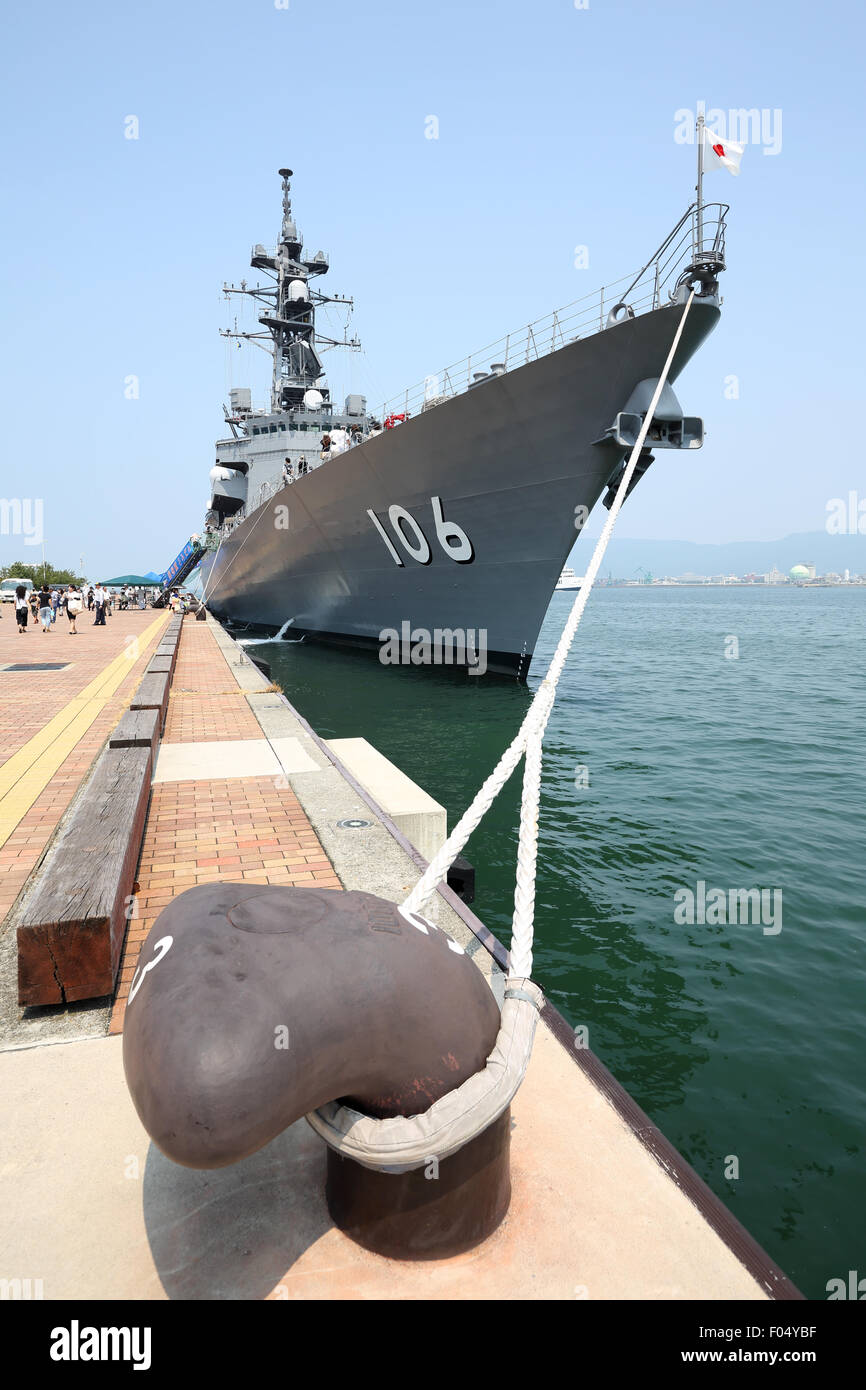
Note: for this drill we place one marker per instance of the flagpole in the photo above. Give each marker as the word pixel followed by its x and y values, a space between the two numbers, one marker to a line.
pixel 700 186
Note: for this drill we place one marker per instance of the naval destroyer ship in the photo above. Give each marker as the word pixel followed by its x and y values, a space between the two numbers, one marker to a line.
pixel 453 508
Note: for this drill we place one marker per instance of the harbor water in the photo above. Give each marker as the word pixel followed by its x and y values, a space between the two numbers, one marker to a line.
pixel 702 736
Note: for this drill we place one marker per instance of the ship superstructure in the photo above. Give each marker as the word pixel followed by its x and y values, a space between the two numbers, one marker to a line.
pixel 252 463
pixel 456 507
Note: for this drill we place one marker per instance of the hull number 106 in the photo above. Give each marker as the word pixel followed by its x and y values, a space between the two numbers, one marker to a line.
pixel 452 538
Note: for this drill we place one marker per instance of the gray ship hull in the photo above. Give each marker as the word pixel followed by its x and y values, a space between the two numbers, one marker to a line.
pixel 508 462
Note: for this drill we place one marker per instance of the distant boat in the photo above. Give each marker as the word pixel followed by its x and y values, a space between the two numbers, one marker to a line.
pixel 568 579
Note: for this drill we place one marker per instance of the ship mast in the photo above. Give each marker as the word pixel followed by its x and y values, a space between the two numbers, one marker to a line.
pixel 289 312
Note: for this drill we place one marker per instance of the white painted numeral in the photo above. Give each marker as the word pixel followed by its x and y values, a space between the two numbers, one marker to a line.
pixel 384 534
pixel 399 518
pixel 448 531
pixel 451 537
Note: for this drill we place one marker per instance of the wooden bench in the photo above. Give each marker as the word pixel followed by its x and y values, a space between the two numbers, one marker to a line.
pixel 138 728
pixel 160 666
pixel 165 654
pixel 72 923
pixel 152 694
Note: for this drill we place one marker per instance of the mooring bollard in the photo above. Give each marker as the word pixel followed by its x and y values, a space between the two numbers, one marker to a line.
pixel 442 1209
pixel 295 998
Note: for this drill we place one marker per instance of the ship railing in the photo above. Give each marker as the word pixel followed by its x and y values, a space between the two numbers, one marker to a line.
pixel 267 490
pixel 695 244
pixel 231 522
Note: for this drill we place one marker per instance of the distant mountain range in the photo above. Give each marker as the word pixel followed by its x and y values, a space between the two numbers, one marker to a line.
pixel 674 558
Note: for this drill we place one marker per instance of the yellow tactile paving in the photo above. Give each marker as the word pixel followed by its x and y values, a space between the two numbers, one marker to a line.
pixel 27 773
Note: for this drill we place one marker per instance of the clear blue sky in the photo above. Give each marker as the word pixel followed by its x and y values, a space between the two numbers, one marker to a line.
pixel 556 128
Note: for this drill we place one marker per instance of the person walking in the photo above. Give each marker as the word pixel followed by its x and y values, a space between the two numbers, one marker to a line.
pixel 34 603
pixel 73 608
pixel 45 608
pixel 100 599
pixel 21 609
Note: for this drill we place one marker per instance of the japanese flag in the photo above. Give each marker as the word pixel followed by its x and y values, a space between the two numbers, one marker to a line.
pixel 721 154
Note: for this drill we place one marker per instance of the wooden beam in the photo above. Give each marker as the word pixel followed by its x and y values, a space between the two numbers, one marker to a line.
pixel 73 921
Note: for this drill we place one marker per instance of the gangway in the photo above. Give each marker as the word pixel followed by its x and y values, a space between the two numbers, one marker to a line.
pixel 180 568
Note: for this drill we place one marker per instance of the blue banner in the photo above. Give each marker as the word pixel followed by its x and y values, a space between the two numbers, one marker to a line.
pixel 177 563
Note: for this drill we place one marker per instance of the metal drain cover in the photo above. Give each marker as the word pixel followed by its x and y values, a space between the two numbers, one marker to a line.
pixel 37 666
pixel 353 824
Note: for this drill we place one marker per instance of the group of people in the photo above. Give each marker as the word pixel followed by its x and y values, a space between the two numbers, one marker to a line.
pixel 182 602
pixel 46 605
pixel 331 444
pixel 338 441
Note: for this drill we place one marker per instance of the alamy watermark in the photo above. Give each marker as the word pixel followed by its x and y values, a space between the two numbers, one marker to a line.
pixel 846 516
pixel 16 1290
pixel 852 1288
pixel 22 516
pixel 719 907
pixel 77 1343
pixel 443 646
pixel 744 126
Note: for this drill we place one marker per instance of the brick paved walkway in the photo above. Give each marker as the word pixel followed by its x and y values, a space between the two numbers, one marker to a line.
pixel 206 701
pixel 241 829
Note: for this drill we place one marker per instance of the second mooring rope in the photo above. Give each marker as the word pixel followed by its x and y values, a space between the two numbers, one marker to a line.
pixel 528 739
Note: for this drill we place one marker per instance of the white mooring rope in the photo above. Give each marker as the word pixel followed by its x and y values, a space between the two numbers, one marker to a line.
pixel 529 736
pixel 402 1143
